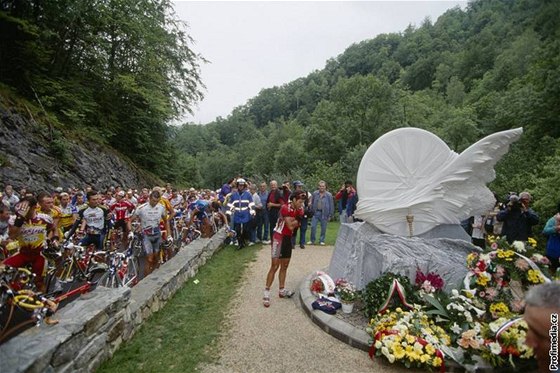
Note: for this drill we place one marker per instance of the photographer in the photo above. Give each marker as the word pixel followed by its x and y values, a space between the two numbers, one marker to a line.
pixel 344 198
pixel 518 218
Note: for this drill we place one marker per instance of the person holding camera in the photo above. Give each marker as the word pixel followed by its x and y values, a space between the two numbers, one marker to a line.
pixel 344 198
pixel 518 218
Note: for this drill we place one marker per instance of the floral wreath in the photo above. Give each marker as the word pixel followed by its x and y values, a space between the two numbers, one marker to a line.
pixel 322 284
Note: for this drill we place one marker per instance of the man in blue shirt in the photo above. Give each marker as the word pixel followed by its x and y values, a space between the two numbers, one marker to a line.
pixel 322 205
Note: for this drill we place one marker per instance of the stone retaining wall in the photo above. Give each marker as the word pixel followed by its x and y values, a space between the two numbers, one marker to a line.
pixel 93 326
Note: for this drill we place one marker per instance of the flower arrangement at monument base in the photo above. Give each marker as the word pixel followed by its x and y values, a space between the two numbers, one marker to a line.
pixel 345 291
pixel 483 320
pixel 428 283
pixel 499 277
pixel 388 291
pixel 322 284
pixel 409 337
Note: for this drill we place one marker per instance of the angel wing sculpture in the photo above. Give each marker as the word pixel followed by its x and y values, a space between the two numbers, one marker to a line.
pixel 410 171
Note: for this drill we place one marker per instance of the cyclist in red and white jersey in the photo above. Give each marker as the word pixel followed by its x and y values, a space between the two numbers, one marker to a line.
pixel 121 210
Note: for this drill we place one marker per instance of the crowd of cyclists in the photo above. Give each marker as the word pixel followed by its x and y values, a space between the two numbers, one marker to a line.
pixel 56 245
pixel 48 239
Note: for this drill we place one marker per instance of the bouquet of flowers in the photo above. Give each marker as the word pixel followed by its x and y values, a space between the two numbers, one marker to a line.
pixel 499 342
pixel 345 290
pixel 428 283
pixel 500 277
pixel 409 337
pixel 322 284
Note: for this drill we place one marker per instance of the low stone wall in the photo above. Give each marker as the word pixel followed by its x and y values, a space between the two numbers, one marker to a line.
pixel 93 326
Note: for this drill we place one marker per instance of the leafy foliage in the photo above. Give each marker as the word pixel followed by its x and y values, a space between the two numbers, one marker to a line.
pixel 116 70
pixel 375 293
pixel 123 69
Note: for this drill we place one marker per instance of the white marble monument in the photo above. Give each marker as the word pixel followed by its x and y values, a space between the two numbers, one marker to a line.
pixel 413 192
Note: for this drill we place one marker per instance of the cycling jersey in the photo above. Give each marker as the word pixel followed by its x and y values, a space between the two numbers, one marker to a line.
pixel 150 217
pixel 285 211
pixel 54 212
pixel 67 215
pixel 32 236
pixel 166 204
pixel 121 209
pixel 95 218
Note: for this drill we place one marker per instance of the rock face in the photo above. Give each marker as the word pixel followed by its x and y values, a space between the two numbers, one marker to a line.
pixel 363 253
pixel 31 157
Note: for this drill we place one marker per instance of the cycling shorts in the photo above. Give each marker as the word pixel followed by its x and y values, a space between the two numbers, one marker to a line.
pixel 281 246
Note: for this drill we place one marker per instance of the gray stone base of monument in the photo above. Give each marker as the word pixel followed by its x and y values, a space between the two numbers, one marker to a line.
pixel 363 253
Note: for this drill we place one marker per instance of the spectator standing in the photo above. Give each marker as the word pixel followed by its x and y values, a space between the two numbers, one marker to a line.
pixel 262 223
pixel 241 207
pixel 552 231
pixel 286 191
pixel 274 202
pixel 9 198
pixel 518 218
pixel 305 196
pixel 258 207
pixel 322 206
pixel 477 233
pixel 344 197
pixel 225 190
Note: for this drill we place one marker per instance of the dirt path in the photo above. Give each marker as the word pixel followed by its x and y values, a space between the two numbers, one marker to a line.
pixel 282 338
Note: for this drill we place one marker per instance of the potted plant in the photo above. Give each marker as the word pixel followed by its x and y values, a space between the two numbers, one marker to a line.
pixel 347 294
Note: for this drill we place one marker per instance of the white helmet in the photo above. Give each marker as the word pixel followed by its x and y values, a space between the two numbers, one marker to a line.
pixel 241 181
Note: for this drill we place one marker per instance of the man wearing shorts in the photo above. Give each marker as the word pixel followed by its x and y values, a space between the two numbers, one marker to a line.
pixel 150 214
pixel 281 247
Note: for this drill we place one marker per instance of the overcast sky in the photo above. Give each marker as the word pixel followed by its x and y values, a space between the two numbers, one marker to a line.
pixel 260 44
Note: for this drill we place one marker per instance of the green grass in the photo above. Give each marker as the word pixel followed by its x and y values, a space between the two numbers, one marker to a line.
pixel 184 333
pixel 332 232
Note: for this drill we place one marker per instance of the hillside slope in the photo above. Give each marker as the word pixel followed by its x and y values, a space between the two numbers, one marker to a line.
pixel 35 158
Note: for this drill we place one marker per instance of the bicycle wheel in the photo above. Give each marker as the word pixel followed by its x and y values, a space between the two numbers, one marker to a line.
pixel 131 277
pixel 137 246
pixel 110 279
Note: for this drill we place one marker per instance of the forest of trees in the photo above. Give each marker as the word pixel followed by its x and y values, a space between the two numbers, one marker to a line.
pixel 124 69
pixel 490 67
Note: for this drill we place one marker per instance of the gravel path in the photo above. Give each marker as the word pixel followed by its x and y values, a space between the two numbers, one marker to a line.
pixel 282 338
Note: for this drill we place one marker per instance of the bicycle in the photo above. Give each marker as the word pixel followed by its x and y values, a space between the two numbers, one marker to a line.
pixel 75 271
pixel 20 309
pixel 115 240
pixel 189 234
pixel 122 271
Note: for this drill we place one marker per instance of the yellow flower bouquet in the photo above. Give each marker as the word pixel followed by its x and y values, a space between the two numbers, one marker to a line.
pixel 409 337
